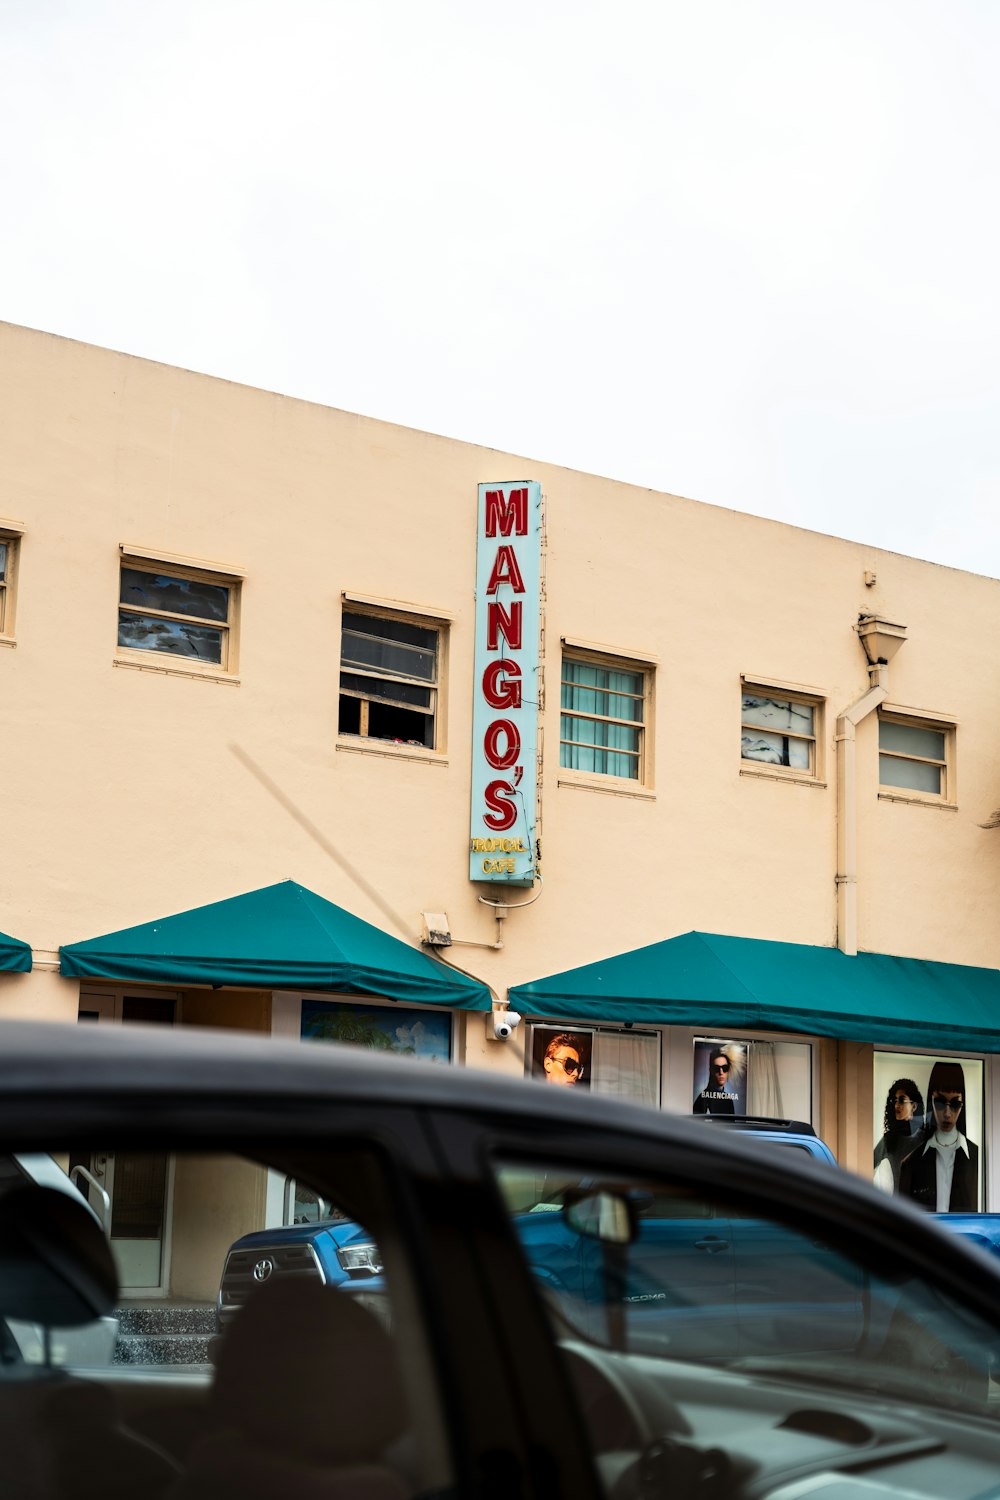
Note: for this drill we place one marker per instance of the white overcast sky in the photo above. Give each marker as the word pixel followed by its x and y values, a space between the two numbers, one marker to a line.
pixel 741 250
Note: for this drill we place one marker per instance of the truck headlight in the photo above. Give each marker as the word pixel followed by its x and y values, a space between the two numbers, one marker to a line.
pixel 363 1259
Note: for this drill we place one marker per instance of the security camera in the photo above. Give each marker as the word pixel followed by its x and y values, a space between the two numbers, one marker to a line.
pixel 501 1025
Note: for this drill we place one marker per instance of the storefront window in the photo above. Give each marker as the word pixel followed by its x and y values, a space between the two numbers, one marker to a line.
pixel 752 1076
pixel 624 1064
pixel 410 1032
pixel 927 1126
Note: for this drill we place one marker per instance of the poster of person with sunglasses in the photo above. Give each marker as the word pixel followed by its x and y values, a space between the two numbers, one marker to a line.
pixel 928 1118
pixel 561 1057
pixel 720 1077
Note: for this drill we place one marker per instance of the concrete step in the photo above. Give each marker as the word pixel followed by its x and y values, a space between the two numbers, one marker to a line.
pixel 164 1333
pixel 162 1349
pixel 165 1317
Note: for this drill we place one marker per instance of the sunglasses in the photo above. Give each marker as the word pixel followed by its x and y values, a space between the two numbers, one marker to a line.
pixel 720 1067
pixel 570 1065
pixel 947 1101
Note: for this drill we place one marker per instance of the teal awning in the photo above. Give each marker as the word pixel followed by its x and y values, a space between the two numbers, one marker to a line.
pixel 283 937
pixel 731 983
pixel 15 956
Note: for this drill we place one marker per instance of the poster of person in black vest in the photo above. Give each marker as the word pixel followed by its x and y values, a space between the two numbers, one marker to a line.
pixel 928 1151
pixel 720 1077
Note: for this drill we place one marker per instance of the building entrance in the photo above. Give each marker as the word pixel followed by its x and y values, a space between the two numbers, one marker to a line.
pixel 130 1190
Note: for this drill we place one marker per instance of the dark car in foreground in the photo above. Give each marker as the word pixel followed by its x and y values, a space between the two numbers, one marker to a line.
pixel 785 1331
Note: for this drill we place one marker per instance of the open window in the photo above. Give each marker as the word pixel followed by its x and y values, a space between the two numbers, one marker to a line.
pixel 10 543
pixel 390 676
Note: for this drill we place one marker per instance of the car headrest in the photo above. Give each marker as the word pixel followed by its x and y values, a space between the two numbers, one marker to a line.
pixel 333 1363
pixel 56 1266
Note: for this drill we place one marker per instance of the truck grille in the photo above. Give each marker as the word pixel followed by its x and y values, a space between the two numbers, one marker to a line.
pixel 246 1270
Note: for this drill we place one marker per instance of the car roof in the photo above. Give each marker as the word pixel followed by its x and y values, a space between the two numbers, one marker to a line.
pixel 197 1086
pixel 768 1124
pixel 60 1072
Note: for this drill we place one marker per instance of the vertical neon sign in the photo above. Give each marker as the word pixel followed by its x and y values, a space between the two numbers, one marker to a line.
pixel 505 706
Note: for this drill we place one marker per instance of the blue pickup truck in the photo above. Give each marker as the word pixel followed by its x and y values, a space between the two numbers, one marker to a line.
pixel 335 1251
pixel 720 1260
pixel 982 1229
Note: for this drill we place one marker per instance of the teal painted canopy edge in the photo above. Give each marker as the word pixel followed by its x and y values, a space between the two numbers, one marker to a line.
pixel 707 980
pixel 283 937
pixel 15 956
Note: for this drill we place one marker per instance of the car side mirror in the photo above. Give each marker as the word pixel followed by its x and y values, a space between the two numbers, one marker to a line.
pixel 602 1214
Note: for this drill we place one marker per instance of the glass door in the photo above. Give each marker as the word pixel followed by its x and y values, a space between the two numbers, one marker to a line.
pixel 137 1183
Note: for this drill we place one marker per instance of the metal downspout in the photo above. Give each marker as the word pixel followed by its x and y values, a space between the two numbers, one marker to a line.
pixel 847 806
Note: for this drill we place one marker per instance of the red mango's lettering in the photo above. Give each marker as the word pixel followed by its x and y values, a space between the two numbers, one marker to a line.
pixel 503 622
pixel 498 692
pixel 502 729
pixel 509 515
pixel 505 570
pixel 500 797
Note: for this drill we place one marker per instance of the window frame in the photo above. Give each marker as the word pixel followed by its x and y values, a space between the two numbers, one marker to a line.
pixel 10 535
pixel 786 692
pixel 914 718
pixel 434 621
pixel 612 660
pixel 599 1033
pixel 164 565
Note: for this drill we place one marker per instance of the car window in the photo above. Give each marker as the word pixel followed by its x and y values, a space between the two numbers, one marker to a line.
pixel 744 1334
pixel 243 1307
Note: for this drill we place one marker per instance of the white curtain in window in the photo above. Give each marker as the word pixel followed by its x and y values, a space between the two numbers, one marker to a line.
pixel 627 1066
pixel 764 1082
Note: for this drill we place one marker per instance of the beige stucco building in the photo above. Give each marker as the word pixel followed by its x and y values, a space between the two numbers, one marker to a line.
pixel 237 648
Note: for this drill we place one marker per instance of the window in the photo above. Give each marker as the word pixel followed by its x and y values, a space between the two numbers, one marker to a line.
pixel 5 553
pixel 752 1076
pixel 778 1317
pixel 602 1060
pixel 188 614
pixel 913 756
pixel 915 1095
pixel 408 1031
pixel 779 728
pixel 8 559
pixel 603 717
pixel 389 677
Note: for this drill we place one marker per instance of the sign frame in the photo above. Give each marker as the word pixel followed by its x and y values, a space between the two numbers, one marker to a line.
pixel 502 840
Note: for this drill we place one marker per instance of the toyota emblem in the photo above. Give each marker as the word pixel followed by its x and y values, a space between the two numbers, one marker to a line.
pixel 263 1269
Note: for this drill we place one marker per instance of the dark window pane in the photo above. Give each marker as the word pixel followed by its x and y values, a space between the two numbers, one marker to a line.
pixel 399 724
pixel 3 560
pixel 179 596
pixel 392 630
pixel 140 1186
pixel 146 633
pixel 386 692
pixel 148 1008
pixel 387 656
pixel 350 715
